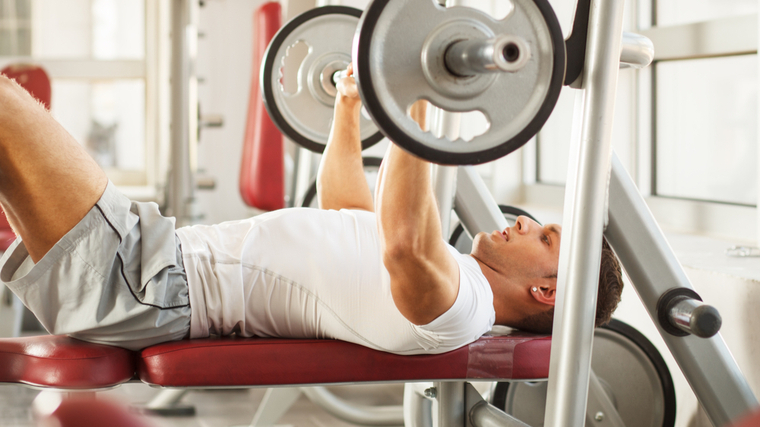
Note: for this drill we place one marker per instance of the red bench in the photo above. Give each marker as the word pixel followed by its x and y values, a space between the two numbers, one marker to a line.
pixel 66 363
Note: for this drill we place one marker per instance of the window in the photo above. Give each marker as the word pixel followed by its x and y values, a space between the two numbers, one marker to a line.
pixel 15 27
pixel 103 75
pixel 677 12
pixel 701 97
pixel 706 136
pixel 685 127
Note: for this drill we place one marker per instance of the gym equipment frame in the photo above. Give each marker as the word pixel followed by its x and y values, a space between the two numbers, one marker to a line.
pixel 600 195
pixel 600 199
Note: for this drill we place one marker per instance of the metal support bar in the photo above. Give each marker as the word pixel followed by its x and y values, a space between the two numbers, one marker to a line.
pixel 183 111
pixel 303 173
pixel 445 177
pixel 653 269
pixel 482 414
pixel 450 403
pixel 474 204
pixel 418 410
pixel 636 51
pixel 584 218
pixel 166 398
pixel 274 405
pixel 391 415
pixel 444 183
pixel 600 411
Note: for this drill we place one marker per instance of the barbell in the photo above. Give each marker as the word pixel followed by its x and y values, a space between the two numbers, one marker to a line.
pixel 459 59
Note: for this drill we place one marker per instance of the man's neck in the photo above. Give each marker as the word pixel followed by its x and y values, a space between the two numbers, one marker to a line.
pixel 508 301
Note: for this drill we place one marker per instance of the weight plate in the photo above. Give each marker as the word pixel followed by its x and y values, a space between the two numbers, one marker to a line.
pixel 398 53
pixel 463 242
pixel 631 370
pixel 305 116
pixel 371 168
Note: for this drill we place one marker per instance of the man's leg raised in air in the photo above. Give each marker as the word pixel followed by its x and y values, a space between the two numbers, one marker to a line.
pixel 48 182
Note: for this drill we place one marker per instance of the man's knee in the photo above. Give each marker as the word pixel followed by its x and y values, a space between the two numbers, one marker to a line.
pixel 7 87
pixel 12 94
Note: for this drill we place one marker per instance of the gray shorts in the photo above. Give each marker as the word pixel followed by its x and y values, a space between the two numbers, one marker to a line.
pixel 115 278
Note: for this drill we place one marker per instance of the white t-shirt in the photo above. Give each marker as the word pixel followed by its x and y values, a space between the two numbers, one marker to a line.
pixel 310 273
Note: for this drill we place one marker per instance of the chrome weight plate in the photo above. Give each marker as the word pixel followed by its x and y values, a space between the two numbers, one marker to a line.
pixel 305 112
pixel 632 373
pixel 398 57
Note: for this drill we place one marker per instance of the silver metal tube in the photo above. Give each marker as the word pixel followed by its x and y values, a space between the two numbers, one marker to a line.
pixel 636 51
pixel 653 269
pixel 450 403
pixel 418 410
pixel 303 173
pixel 181 194
pixel 503 53
pixel 695 317
pixel 353 413
pixel 445 177
pixel 600 411
pixel 338 75
pixel 166 398
pixel 276 402
pixel 444 184
pixel 480 413
pixel 474 204
pixel 584 217
pixel 486 415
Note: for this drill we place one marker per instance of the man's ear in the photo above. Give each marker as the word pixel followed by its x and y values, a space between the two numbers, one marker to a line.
pixel 545 290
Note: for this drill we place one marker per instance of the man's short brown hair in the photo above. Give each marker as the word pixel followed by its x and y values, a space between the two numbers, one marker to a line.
pixel 608 296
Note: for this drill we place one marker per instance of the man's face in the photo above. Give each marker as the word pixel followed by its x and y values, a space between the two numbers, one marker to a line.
pixel 526 250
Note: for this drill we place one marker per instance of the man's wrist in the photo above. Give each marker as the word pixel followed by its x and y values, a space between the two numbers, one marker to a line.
pixel 348 102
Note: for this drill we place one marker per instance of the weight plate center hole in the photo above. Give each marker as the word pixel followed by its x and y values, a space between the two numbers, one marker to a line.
pixel 511 52
pixel 291 63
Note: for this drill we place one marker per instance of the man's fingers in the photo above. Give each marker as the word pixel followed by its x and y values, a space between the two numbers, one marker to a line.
pixel 347 87
pixel 418 113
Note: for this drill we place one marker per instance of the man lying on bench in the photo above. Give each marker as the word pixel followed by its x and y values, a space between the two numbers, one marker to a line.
pixel 92 264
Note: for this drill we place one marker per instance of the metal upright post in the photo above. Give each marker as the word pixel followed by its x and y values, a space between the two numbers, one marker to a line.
pixel 183 111
pixel 585 213
pixel 445 177
pixel 450 403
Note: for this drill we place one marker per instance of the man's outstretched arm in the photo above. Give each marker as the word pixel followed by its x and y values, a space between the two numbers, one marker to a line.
pixel 340 180
pixel 424 275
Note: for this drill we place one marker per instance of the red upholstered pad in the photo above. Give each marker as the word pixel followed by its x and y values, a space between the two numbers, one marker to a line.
pixel 6 238
pixel 262 182
pixel 62 362
pixel 6 233
pixel 265 362
pixel 90 412
pixel 749 420
pixel 33 78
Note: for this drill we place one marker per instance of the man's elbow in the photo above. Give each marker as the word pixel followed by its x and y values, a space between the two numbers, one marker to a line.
pixel 404 248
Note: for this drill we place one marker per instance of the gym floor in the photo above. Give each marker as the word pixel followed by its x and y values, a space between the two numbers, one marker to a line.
pixel 219 408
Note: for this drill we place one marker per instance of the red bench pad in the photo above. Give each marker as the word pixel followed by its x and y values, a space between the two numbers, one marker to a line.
pixel 6 237
pixel 63 362
pixel 264 362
